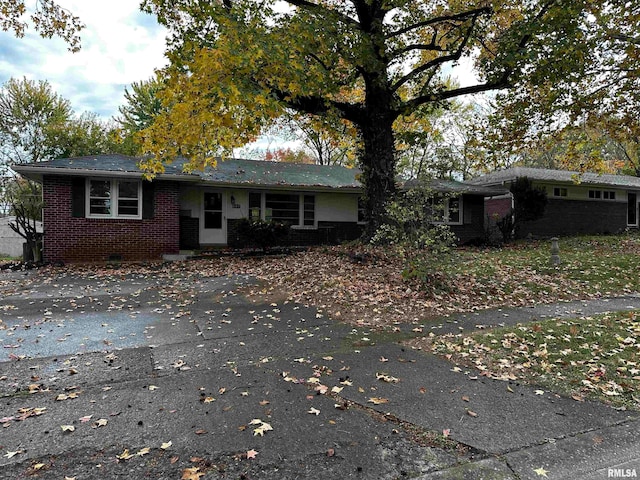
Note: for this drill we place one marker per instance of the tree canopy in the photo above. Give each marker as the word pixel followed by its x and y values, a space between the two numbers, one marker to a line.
pixel 47 18
pixel 238 64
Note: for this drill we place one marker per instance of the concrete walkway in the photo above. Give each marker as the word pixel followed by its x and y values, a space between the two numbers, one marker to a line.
pixel 192 375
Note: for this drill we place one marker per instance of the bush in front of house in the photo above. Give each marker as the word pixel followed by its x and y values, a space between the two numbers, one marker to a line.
pixel 414 230
pixel 262 234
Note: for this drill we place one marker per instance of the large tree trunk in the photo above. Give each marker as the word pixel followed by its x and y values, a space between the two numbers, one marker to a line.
pixel 378 169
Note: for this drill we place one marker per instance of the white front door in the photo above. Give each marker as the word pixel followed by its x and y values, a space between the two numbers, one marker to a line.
pixel 213 221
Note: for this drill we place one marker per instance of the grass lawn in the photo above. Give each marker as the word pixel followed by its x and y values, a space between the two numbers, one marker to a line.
pixel 589 357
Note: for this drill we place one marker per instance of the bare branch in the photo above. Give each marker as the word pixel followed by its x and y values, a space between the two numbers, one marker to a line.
pixel 458 17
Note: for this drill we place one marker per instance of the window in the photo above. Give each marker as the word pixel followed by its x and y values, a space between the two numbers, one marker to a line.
pixel 292 208
pixel 447 210
pixel 559 192
pixel 255 206
pixel 606 194
pixel 632 209
pixel 114 198
pixel 309 210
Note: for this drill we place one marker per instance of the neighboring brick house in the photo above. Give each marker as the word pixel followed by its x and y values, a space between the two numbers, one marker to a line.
pixel 98 208
pixel 578 203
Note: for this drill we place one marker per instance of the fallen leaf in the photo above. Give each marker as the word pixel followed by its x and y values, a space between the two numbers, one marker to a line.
pixel 386 378
pixel 446 432
pixel 152 387
pixel 314 411
pixel 331 452
pixel 378 400
pixel 125 455
pixel 251 453
pixel 102 422
pixel 261 428
pixel 191 473
pixel 209 400
pixel 423 390
pixel 143 451
pixel 539 392
pixel 472 413
pixel 201 431
pixel 337 389
pixel 67 428
pixel 465 399
pixel 541 472
pixel 85 419
pixel 13 454
pixel 166 445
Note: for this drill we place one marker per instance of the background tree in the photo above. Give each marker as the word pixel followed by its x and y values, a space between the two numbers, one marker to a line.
pixel 309 56
pixel 142 105
pixel 31 113
pixel 584 101
pixel 47 18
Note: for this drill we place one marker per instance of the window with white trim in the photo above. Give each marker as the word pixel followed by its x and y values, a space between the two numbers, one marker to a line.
pixel 604 194
pixel 108 198
pixel 295 209
pixel 447 210
pixel 559 192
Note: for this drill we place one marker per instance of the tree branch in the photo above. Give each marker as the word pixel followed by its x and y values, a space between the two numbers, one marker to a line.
pixel 458 17
pixel 325 12
pixel 440 60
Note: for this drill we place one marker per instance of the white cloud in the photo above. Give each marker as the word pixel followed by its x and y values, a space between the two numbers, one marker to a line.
pixel 120 45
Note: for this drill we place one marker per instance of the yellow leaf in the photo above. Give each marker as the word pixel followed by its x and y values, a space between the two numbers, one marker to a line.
pixel 67 428
pixel 378 400
pixel 541 472
pixel 143 451
pixel 166 445
pixel 124 455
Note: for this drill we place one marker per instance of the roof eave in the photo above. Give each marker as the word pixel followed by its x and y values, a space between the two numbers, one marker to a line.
pixel 37 172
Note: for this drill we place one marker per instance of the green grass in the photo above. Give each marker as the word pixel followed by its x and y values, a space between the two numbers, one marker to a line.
pixel 591 357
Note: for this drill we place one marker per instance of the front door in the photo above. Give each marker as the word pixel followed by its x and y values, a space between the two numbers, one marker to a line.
pixel 632 209
pixel 213 221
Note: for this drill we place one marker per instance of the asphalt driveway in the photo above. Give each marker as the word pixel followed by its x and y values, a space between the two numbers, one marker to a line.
pixel 160 376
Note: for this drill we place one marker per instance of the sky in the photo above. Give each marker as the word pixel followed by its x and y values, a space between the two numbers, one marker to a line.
pixel 120 45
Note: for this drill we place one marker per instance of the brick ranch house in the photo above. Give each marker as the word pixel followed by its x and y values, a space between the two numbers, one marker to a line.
pixel 98 208
pixel 578 203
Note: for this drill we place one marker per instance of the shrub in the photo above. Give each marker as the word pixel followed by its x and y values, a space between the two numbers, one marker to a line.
pixel 261 234
pixel 425 246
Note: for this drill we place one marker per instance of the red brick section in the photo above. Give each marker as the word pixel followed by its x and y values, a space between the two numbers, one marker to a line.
pixel 71 239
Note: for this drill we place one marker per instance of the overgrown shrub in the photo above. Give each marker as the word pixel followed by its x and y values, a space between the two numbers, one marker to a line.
pixel 261 234
pixel 425 245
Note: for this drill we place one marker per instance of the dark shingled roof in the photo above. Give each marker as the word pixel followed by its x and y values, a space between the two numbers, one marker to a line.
pixel 237 172
pixel 229 171
pixel 544 174
pixel 454 187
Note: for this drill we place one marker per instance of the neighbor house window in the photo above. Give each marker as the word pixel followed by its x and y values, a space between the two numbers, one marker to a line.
pixel 447 210
pixel 292 208
pixel 559 192
pixel 114 198
pixel 605 194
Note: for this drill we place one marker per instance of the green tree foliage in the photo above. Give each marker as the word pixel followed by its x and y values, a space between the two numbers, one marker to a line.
pixel 30 115
pixel 47 18
pixel 238 64
pixel 598 78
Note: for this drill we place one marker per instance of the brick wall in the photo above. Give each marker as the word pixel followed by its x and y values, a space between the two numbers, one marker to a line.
pixel 72 239
pixel 573 217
